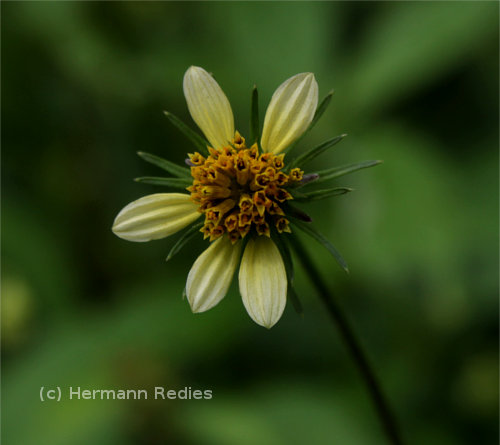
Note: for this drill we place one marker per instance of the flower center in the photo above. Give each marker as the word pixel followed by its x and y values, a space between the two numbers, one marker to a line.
pixel 240 190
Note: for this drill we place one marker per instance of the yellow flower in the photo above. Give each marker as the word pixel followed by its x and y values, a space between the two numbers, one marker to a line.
pixel 241 191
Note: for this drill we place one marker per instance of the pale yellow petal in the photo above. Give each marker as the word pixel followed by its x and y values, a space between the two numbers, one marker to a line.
pixel 209 106
pixel 290 112
pixel 211 274
pixel 263 282
pixel 155 216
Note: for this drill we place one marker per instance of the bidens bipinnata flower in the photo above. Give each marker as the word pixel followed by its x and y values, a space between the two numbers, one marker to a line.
pixel 243 192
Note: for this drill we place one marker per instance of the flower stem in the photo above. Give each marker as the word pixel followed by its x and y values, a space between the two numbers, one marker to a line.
pixel 380 403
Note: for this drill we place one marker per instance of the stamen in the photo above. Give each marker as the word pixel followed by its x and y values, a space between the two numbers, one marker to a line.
pixel 263 229
pixel 282 225
pixel 296 174
pixel 196 158
pixel 246 203
pixel 231 222
pixel 216 232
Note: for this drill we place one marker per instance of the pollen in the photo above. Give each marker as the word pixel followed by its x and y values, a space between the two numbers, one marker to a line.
pixel 241 191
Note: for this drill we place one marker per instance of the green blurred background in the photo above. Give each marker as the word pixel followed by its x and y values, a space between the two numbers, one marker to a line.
pixel 84 85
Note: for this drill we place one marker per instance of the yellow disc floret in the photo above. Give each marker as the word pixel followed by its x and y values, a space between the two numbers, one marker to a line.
pixel 240 190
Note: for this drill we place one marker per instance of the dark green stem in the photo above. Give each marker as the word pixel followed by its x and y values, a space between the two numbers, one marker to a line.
pixel 351 342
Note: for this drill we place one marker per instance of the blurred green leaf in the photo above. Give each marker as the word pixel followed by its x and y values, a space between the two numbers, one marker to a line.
pixel 33 249
pixel 271 414
pixel 410 45
pixel 64 352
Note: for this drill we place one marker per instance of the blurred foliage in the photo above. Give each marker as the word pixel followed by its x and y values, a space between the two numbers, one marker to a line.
pixel 84 85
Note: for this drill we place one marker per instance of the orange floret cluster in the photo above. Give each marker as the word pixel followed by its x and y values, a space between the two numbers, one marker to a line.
pixel 239 189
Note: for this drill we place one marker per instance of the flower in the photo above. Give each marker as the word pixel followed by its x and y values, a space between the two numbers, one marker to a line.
pixel 243 192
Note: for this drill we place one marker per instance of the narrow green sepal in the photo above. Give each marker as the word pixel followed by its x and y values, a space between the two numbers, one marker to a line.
pixel 312 232
pixel 254 116
pixel 331 173
pixel 309 155
pixel 317 115
pixel 194 137
pixel 294 298
pixel 178 183
pixel 285 254
pixel 280 241
pixel 321 109
pixel 187 236
pixel 320 194
pixel 172 168
pixel 297 213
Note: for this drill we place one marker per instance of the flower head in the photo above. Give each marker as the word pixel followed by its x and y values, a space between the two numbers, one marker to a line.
pixel 243 191
pixel 240 190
